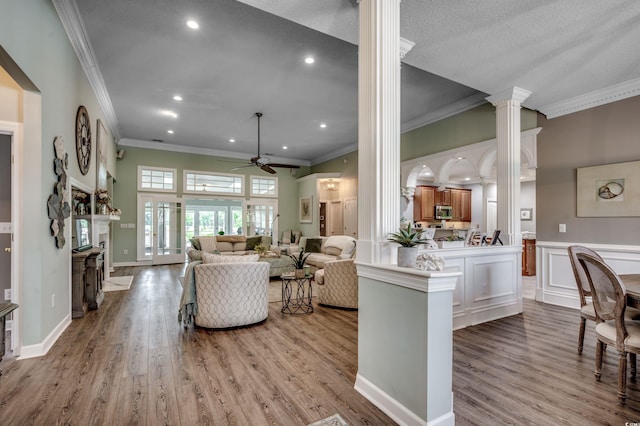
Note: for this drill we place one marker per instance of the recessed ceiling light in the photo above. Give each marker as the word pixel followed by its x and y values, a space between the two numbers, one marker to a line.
pixel 232 140
pixel 285 147
pixel 467 178
pixel 177 98
pixel 424 165
pixel 427 173
pixel 323 125
pixel 309 60
pixel 193 25
pixel 169 113
pixel 170 132
pixel 460 158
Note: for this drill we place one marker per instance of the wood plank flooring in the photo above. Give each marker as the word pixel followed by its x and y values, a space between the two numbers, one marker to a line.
pixel 130 362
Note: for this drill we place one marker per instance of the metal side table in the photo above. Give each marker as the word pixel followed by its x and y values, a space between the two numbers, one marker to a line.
pixel 301 303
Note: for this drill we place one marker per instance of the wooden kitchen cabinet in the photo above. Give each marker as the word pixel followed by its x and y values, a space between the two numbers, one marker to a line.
pixel 427 197
pixel 423 202
pixel 528 257
pixel 461 204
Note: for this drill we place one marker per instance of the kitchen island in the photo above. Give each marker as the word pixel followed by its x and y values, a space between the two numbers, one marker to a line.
pixel 490 286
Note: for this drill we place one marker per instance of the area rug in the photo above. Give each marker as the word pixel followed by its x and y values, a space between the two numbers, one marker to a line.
pixel 334 420
pixel 117 283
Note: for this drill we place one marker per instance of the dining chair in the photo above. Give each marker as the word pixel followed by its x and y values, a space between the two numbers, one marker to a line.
pixel 610 303
pixel 587 311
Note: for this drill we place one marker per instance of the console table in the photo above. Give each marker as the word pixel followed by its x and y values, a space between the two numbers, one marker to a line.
pixel 5 309
pixel 88 274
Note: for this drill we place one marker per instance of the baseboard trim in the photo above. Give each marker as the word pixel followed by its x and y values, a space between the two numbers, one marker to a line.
pixel 392 408
pixel 41 349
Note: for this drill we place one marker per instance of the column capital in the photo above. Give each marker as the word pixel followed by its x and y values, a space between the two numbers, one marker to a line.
pixel 512 94
pixel 408 192
pixel 405 47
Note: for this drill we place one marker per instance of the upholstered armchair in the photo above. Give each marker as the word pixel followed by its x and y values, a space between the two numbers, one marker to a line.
pixel 231 294
pixel 337 284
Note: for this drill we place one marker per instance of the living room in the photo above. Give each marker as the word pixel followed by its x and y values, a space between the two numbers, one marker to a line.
pixel 603 134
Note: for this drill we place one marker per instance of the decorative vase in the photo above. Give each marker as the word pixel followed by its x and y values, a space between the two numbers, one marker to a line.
pixel 300 273
pixel 81 210
pixel 103 209
pixel 407 256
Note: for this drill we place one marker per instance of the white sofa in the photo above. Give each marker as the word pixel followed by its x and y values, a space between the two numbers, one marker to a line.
pixel 226 244
pixel 327 249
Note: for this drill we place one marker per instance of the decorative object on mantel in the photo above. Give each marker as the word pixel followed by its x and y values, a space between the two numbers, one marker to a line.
pixel 103 204
pixel 101 156
pixel 429 262
pixel 83 139
pixel 409 239
pixel 80 201
pixel 58 209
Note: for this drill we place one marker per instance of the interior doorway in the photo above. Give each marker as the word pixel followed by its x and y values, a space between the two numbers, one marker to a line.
pixel 5 217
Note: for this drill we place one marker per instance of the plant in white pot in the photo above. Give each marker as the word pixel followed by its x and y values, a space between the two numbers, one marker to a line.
pixel 409 239
pixel 298 260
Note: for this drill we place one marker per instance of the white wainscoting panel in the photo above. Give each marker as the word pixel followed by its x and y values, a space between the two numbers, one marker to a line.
pixel 555 283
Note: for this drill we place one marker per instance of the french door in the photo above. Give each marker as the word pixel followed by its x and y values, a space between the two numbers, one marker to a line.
pixel 160 229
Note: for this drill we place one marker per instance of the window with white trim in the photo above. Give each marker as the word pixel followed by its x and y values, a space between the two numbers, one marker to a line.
pixel 156 179
pixel 213 183
pixel 264 186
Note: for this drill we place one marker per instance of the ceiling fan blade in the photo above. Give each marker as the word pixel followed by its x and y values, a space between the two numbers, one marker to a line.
pixel 268 169
pixel 242 167
pixel 288 166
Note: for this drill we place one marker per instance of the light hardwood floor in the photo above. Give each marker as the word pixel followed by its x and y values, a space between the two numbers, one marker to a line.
pixel 130 362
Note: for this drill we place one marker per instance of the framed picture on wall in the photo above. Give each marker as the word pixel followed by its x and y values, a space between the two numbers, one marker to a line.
pixel 305 210
pixel 101 154
pixel 610 190
pixel 526 214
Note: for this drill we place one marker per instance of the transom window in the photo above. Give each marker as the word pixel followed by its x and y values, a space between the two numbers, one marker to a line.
pixel 213 183
pixel 156 179
pixel 264 186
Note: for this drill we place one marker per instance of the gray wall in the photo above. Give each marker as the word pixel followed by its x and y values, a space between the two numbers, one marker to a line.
pixel 602 135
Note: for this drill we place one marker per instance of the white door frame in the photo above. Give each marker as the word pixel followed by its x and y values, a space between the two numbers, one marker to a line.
pixel 155 198
pixel 16 132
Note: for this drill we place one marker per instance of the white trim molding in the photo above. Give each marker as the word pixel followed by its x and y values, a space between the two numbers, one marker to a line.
pixel 41 349
pixel 555 283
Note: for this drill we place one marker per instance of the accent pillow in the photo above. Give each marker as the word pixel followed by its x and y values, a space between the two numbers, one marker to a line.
pixel 333 251
pixel 314 245
pixel 286 237
pixel 208 244
pixel 296 237
pixel 195 243
pixel 216 258
pixel 252 242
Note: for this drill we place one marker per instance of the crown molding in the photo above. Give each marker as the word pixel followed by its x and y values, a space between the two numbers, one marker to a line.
pixel 593 99
pixel 161 146
pixel 448 111
pixel 335 154
pixel 74 27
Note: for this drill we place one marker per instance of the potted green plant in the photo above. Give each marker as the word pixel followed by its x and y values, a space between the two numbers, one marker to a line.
pixel 260 249
pixel 298 260
pixel 408 239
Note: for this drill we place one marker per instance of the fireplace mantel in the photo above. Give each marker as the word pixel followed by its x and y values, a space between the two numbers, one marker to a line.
pixel 100 236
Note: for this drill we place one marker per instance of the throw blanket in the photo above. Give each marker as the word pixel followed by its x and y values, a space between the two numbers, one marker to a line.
pixel 188 303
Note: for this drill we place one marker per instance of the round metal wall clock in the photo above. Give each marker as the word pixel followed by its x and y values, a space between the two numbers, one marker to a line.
pixel 83 139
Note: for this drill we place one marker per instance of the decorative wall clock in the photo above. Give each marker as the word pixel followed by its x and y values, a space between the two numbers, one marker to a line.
pixel 83 139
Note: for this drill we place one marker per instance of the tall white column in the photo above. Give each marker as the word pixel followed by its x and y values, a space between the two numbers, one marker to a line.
pixel 378 128
pixel 507 105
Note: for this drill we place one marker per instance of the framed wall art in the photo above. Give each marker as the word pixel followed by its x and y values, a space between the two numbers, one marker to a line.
pixel 101 156
pixel 526 214
pixel 610 190
pixel 305 210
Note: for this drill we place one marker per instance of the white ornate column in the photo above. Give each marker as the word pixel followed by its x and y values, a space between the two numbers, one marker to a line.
pixel 378 128
pixel 507 105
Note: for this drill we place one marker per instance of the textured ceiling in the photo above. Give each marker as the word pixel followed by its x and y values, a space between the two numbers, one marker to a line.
pixel 246 59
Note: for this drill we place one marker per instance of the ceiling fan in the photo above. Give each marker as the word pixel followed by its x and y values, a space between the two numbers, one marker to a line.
pixel 263 162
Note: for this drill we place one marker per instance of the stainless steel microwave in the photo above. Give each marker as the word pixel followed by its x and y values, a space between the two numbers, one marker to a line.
pixel 443 212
